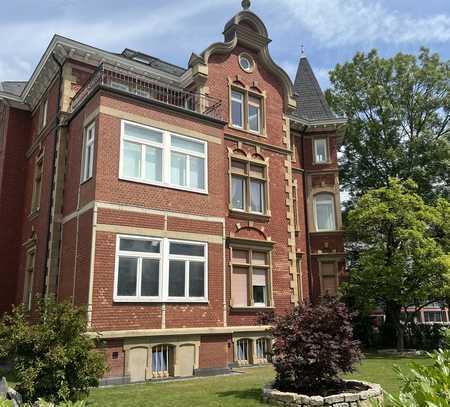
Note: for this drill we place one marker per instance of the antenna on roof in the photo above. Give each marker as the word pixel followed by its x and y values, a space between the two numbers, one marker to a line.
pixel 246 4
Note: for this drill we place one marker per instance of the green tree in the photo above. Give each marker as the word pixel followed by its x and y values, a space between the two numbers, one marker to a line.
pixel 398 112
pixel 396 260
pixel 53 357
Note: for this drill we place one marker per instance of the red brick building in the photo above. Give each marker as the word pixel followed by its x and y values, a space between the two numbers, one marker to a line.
pixel 176 204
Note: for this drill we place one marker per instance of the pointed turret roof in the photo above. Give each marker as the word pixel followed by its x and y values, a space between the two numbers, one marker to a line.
pixel 311 103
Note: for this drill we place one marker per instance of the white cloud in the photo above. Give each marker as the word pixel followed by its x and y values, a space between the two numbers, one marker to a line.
pixel 344 22
pixel 28 40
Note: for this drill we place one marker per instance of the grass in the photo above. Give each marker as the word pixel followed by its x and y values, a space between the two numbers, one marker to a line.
pixel 241 390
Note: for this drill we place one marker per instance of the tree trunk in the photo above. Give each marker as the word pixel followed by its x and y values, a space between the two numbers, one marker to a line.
pixel 393 312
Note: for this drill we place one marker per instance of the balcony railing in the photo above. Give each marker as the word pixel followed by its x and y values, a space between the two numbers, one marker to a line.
pixel 115 78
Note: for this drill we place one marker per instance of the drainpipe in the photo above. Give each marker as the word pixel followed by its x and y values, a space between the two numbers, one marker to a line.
pixel 55 144
pixel 305 209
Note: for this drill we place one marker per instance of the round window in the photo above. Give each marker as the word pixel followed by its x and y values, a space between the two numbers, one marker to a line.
pixel 246 62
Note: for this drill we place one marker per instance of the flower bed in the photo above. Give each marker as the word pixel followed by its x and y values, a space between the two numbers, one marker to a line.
pixel 363 398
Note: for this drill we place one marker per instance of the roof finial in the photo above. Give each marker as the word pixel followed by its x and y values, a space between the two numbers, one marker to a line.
pixel 302 51
pixel 246 4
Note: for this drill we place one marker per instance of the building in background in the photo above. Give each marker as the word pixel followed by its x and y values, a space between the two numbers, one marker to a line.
pixel 175 203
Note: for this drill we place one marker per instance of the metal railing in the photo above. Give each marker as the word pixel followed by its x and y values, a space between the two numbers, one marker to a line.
pixel 142 86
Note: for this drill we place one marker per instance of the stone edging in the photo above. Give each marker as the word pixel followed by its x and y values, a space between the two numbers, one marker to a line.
pixel 364 398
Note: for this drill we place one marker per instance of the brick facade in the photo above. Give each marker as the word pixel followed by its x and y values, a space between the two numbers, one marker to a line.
pixel 75 231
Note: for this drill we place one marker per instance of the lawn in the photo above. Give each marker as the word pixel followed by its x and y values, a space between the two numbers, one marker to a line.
pixel 240 390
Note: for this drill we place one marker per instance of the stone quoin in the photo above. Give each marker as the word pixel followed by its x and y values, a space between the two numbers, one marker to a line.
pixel 176 204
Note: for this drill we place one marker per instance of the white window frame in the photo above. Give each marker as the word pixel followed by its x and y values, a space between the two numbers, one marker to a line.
pixel 166 158
pixel 333 208
pixel 164 260
pixel 242 103
pixel 257 105
pixel 316 146
pixel 88 144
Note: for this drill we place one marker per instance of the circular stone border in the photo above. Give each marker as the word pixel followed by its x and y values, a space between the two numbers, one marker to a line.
pixel 363 398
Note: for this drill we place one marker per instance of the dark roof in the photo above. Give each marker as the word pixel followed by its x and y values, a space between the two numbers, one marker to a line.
pixel 311 103
pixel 13 87
pixel 153 62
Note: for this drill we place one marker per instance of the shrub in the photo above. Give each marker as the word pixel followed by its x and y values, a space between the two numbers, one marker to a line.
pixel 6 403
pixel 428 385
pixel 446 339
pixel 313 344
pixel 425 337
pixel 54 359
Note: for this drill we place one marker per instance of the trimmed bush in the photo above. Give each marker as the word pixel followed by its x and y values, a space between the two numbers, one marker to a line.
pixel 53 357
pixel 313 345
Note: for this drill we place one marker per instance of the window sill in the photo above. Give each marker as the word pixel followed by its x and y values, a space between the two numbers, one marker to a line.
pixel 250 215
pixel 162 185
pixel 251 309
pixel 325 232
pixel 322 162
pixel 247 131
pixel 159 301
pixel 34 214
pixel 86 180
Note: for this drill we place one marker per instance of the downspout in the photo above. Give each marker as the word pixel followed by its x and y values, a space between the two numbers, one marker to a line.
pixel 305 209
pixel 55 144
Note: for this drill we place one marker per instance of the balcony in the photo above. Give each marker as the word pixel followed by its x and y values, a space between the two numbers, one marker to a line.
pixel 110 77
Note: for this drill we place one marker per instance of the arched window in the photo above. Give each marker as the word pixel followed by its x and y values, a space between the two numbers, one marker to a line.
pixel 162 361
pixel 324 212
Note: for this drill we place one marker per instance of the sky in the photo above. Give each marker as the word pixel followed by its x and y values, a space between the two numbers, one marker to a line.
pixel 332 31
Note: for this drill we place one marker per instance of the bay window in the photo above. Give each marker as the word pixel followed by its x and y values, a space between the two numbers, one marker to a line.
pixel 250 275
pixel 153 269
pixel 246 110
pixel 248 189
pixel 324 212
pixel 159 157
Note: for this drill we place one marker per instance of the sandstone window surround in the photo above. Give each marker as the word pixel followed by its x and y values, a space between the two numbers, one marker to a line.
pixel 37 183
pixel 160 270
pixel 30 260
pixel 249 192
pixel 250 277
pixel 252 350
pixel 160 357
pixel 158 157
pixel 88 152
pixel 247 109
